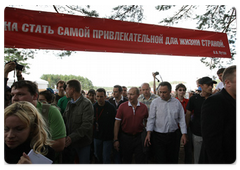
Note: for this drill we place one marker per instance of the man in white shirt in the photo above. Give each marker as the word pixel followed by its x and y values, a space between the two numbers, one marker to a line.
pixel 220 85
pixel 165 114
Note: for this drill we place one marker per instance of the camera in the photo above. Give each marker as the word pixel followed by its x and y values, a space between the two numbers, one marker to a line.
pixel 18 66
pixel 156 73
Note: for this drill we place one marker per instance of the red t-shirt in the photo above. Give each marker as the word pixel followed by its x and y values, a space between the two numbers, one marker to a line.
pixel 132 120
pixel 184 104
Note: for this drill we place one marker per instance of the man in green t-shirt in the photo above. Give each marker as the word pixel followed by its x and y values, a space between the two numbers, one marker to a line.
pixel 62 103
pixel 28 91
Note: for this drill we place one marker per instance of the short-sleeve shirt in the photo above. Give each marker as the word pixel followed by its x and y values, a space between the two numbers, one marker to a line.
pixel 148 102
pixel 132 119
pixel 55 121
pixel 184 104
pixel 195 104
pixel 62 103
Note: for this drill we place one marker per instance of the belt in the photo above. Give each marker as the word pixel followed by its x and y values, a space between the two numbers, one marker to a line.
pixel 132 134
pixel 166 134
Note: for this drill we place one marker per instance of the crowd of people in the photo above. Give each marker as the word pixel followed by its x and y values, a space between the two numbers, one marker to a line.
pixel 133 126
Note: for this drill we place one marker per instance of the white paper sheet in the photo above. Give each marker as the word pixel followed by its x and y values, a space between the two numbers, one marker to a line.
pixel 38 158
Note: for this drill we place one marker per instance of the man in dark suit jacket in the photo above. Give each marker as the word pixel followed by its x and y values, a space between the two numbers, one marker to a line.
pixel 117 98
pixel 219 123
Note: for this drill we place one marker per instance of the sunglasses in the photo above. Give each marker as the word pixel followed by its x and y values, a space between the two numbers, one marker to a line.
pixel 181 89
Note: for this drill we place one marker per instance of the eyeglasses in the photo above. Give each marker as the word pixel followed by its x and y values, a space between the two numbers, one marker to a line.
pixel 181 89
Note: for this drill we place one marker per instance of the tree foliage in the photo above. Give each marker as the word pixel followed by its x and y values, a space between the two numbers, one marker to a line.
pixel 54 78
pixel 219 18
pixel 20 56
pixel 72 9
pixel 216 17
pixel 132 13
pixel 183 13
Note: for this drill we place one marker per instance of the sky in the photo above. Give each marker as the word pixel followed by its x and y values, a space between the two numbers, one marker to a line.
pixel 109 69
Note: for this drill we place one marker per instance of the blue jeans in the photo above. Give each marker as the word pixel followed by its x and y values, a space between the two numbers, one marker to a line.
pixel 84 154
pixel 102 150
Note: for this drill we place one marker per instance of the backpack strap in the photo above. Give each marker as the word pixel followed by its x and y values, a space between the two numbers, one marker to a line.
pixel 45 110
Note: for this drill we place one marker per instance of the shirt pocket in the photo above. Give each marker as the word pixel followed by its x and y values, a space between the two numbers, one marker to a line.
pixel 77 118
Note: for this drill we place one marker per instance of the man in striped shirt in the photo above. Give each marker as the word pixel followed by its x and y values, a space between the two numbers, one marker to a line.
pixel 146 97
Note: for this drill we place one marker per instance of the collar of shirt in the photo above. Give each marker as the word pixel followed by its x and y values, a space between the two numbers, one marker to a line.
pixel 150 98
pixel 184 100
pixel 130 105
pixel 167 100
pixel 120 99
pixel 72 101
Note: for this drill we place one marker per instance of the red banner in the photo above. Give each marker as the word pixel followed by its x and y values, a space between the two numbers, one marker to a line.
pixel 46 30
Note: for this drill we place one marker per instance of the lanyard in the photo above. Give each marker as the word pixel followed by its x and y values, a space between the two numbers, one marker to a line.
pixel 97 117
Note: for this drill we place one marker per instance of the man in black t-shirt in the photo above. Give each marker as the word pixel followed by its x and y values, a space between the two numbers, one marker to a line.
pixel 104 119
pixel 195 104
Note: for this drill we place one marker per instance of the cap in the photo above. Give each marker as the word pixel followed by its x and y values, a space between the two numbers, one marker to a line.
pixel 206 80
pixel 92 91
pixel 50 90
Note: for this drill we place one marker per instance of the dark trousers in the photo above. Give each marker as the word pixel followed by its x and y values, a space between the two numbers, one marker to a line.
pixel 76 155
pixel 132 145
pixel 166 150
pixel 188 148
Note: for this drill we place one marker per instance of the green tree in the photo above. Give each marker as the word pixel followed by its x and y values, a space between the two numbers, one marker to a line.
pixel 219 18
pixel 54 78
pixel 20 56
pixel 132 13
pixel 177 82
pixel 73 9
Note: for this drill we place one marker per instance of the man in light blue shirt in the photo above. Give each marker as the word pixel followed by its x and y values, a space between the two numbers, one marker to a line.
pixel 165 114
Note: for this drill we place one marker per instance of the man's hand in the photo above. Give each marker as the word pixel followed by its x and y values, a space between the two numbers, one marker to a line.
pixel 184 139
pixel 8 68
pixel 68 141
pixel 147 139
pixel 116 145
pixel 154 75
pixel 24 159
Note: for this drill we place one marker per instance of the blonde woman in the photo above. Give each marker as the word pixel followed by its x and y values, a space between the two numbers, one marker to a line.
pixel 25 129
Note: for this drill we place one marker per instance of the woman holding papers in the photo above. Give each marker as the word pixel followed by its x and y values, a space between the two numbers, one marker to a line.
pixel 25 129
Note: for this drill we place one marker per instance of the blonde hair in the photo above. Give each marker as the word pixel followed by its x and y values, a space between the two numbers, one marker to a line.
pixel 28 114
